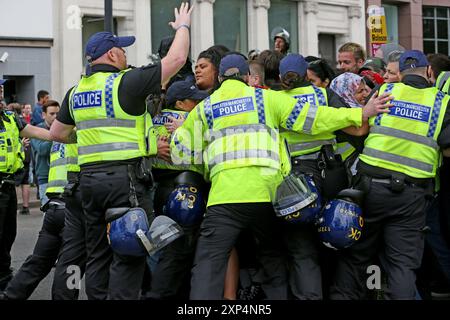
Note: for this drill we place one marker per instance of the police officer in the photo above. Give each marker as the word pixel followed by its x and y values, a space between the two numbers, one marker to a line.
pixel 171 275
pixel 281 40
pixel 11 157
pixel 238 132
pixel 38 265
pixel 312 155
pixel 115 138
pixel 72 255
pixel 396 170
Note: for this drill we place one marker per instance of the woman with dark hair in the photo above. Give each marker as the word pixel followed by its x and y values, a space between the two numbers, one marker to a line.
pixel 207 68
pixel 320 73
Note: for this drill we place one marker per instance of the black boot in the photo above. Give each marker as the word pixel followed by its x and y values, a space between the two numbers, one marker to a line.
pixel 3 296
pixel 4 280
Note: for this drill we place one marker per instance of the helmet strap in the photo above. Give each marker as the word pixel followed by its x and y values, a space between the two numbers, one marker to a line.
pixel 132 196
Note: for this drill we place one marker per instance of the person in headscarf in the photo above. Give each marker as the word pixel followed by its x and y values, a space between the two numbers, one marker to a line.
pixel 351 88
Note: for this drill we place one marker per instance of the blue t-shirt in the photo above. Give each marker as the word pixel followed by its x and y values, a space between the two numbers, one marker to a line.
pixel 36 116
pixel 41 153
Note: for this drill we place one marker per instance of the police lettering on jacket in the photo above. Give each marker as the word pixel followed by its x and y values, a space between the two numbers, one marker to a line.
pixel 310 98
pixel 232 107
pixel 87 99
pixel 163 118
pixel 409 110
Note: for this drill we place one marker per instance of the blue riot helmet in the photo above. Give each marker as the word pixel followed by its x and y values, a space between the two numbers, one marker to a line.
pixel 129 232
pixel 123 223
pixel 340 224
pixel 293 196
pixel 310 213
pixel 186 204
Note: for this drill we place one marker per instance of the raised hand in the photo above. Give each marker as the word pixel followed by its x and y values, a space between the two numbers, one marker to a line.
pixel 182 16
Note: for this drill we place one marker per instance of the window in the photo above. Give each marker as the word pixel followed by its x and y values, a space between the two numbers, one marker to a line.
pixel 161 15
pixel 391 13
pixel 230 24
pixel 327 48
pixel 284 13
pixel 436 30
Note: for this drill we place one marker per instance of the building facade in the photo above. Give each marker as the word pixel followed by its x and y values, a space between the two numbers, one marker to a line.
pixel 418 24
pixel 26 42
pixel 46 52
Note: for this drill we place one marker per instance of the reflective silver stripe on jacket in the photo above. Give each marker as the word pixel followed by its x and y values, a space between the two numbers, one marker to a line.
pixel 243 154
pixel 343 149
pixel 396 133
pixel 57 183
pixel 248 128
pixel 413 163
pixel 105 147
pixel 58 162
pixel 72 160
pixel 293 147
pixel 103 123
pixel 310 116
pixel 3 159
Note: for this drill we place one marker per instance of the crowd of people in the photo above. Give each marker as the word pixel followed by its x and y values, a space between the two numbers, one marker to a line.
pixel 285 177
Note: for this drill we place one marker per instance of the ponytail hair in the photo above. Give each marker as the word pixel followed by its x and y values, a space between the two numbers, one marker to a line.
pixel 291 80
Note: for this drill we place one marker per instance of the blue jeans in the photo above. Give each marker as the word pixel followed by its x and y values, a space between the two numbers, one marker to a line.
pixel 42 195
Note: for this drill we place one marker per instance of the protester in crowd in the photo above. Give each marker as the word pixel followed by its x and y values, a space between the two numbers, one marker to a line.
pixel 42 96
pixel 392 73
pixel 351 57
pixel 320 73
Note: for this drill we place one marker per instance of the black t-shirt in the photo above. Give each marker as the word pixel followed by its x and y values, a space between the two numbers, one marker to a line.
pixel 134 88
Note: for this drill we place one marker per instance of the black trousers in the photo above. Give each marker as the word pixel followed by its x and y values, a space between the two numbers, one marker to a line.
pixel 393 226
pixel 8 230
pixel 72 256
pixel 110 275
pixel 171 277
pixel 218 234
pixel 38 265
pixel 303 247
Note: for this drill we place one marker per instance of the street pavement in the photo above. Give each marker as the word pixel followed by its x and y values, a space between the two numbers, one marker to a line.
pixel 28 227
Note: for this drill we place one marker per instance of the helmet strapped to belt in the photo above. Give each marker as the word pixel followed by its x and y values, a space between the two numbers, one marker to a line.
pixel 294 195
pixel 129 232
pixel 341 221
